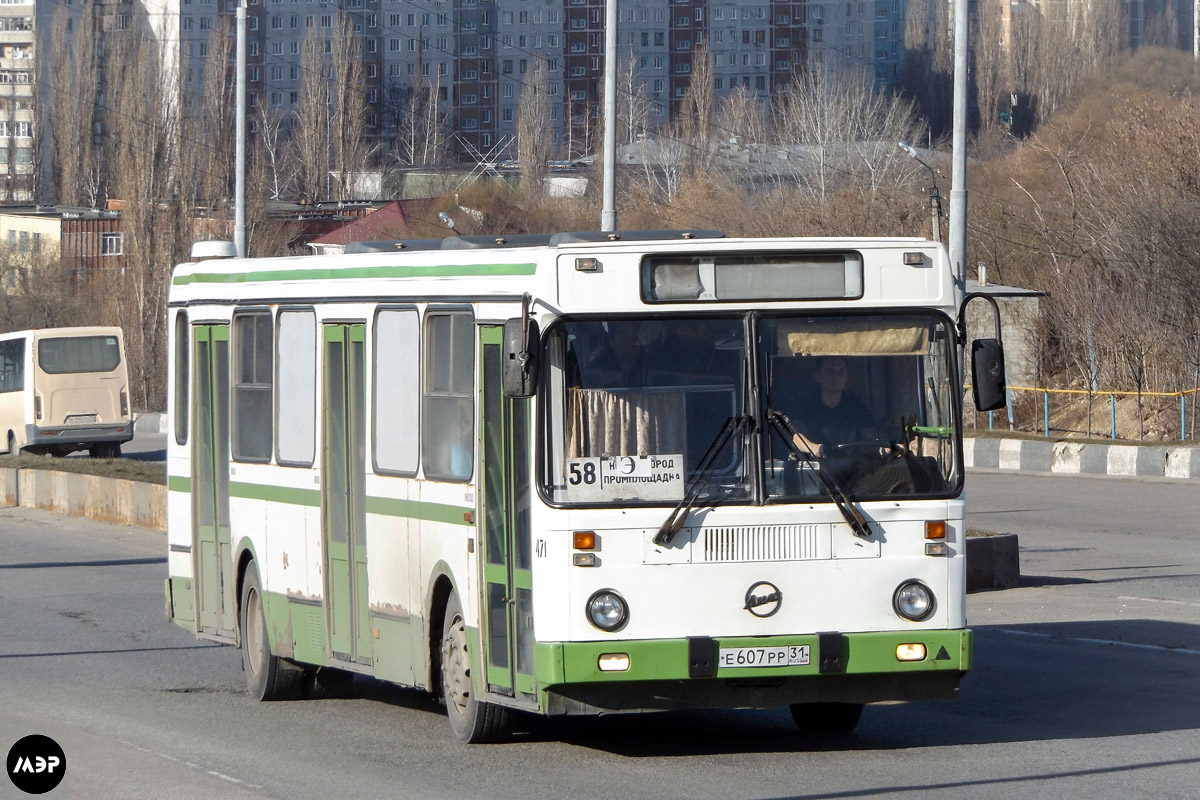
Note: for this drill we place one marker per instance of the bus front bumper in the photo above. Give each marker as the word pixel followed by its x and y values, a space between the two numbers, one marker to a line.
pixel 705 673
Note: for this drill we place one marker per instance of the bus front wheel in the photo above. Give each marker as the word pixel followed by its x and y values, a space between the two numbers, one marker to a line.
pixel 471 719
pixel 826 719
pixel 268 677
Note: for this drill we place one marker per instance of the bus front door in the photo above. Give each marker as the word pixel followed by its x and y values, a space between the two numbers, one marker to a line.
pixel 507 617
pixel 215 575
pixel 343 511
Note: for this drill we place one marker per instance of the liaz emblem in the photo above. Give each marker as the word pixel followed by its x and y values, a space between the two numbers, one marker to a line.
pixel 763 599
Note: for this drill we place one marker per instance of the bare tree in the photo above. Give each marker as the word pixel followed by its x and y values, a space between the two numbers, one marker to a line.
pixel 424 128
pixel 144 141
pixel 347 107
pixel 534 146
pixel 71 109
pixel 311 139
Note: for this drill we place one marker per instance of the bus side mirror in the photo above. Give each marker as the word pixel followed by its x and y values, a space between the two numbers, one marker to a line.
pixel 987 374
pixel 522 341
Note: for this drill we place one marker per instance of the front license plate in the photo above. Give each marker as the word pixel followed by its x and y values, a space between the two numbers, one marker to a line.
pixel 742 657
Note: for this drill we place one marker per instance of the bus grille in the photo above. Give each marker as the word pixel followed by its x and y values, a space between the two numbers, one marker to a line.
pixel 764 543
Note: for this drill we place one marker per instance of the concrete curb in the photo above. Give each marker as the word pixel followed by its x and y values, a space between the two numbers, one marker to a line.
pixel 1079 458
pixel 114 500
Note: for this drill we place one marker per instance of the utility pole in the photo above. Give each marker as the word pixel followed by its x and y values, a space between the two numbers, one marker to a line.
pixel 608 215
pixel 239 190
pixel 958 175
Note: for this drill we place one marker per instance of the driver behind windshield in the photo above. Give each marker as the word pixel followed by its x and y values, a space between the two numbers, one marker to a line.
pixel 835 426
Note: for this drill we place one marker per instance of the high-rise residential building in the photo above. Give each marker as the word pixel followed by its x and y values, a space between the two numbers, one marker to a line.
pixel 478 56
pixel 18 31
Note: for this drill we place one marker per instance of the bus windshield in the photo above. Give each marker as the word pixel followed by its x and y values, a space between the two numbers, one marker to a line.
pixel 871 398
pixel 64 354
pixel 636 405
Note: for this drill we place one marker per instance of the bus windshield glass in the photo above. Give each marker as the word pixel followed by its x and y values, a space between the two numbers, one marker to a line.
pixel 67 354
pixel 871 398
pixel 858 404
pixel 636 406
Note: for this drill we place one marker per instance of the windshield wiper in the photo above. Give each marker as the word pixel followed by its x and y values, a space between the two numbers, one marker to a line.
pixel 674 521
pixel 854 517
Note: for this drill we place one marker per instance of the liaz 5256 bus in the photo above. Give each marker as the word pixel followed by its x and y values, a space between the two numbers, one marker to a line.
pixel 578 474
pixel 64 389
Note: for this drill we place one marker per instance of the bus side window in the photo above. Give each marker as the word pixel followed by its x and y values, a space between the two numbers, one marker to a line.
pixel 447 436
pixel 182 377
pixel 12 365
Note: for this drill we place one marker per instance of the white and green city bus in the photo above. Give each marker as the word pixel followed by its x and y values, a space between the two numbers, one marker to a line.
pixel 560 474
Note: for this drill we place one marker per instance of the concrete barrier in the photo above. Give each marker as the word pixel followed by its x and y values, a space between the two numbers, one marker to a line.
pixel 1083 458
pixel 993 561
pixel 115 500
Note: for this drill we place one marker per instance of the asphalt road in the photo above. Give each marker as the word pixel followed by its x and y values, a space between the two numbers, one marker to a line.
pixel 1086 685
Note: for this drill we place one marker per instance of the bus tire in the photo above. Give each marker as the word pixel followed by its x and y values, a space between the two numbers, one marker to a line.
pixel 826 719
pixel 325 683
pixel 105 450
pixel 472 720
pixel 268 677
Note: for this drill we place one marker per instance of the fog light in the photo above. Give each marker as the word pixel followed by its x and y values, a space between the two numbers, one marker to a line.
pixel 937 549
pixel 607 610
pixel 614 662
pixel 910 652
pixel 584 559
pixel 913 601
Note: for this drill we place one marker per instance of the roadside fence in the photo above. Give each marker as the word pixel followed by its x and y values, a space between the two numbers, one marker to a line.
pixel 1065 411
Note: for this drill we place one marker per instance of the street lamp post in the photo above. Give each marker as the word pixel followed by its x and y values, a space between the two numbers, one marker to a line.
pixel 935 195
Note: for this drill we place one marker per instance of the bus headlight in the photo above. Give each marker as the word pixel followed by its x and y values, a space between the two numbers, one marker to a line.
pixel 913 601
pixel 607 610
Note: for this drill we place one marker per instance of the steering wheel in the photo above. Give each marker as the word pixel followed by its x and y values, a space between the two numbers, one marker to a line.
pixel 879 448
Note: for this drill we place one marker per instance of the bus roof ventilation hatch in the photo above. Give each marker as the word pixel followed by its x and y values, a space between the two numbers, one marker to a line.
pixel 593 237
pixel 484 242
pixel 394 246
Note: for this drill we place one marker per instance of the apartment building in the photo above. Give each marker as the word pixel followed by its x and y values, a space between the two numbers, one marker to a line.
pixel 478 56
pixel 17 80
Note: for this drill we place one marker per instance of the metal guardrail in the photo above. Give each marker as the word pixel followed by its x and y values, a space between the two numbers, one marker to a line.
pixel 1186 415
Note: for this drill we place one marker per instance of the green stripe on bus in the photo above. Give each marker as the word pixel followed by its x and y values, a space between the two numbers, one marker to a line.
pixel 667 659
pixel 385 506
pixel 354 273
pixel 178 483
pixel 415 509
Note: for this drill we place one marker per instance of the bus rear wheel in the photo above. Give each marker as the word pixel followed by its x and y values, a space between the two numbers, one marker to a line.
pixel 826 719
pixel 472 720
pixel 105 450
pixel 268 677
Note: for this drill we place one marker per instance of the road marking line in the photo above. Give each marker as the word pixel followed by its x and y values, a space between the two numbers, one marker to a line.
pixel 1161 600
pixel 197 767
pixel 1086 640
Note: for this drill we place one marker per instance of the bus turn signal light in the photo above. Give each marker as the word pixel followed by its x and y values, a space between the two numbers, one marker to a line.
pixel 585 540
pixel 935 529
